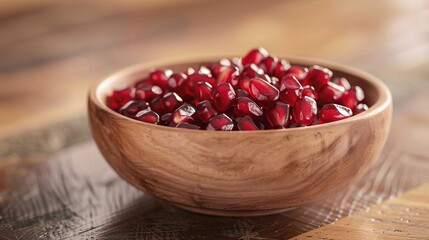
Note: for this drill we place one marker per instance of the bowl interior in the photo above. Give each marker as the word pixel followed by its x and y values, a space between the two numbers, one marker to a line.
pixel 375 91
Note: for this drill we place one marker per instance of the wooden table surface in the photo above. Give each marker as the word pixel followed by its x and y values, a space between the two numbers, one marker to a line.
pixel 54 184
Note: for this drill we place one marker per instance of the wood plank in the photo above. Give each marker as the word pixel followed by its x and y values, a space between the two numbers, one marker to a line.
pixel 404 217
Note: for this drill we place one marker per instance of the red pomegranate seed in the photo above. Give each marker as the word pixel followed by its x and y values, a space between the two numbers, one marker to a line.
pixel 331 93
pixel 304 111
pixel 318 77
pixel 361 107
pixel 147 92
pixel 188 126
pixel 290 90
pixel 220 122
pixel 144 81
pixel 228 74
pixel 251 71
pixel 244 85
pixel 246 107
pixel 171 101
pixel 298 72
pixel 176 83
pixel 203 75
pixel 184 113
pixel 279 115
pixel 241 93
pixel 309 92
pixel 119 98
pixel 255 56
pixel 189 71
pixel 205 111
pixel 223 95
pixel 217 68
pixel 268 64
pixel 334 112
pixel 342 81
pixel 133 107
pixel 160 77
pixel 263 92
pixel 147 116
pixel 246 124
pixel 165 119
pixel 353 97
pixel 281 68
pixel 157 105
pixel 203 91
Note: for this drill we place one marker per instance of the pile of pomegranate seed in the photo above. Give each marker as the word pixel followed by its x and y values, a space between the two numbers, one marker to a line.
pixel 255 92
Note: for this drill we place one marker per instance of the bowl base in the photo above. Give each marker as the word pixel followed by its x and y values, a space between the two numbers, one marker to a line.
pixel 232 213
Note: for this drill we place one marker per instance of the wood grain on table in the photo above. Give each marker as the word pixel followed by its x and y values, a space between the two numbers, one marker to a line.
pixel 51 51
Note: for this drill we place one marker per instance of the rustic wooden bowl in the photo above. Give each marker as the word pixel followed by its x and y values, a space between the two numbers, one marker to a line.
pixel 240 173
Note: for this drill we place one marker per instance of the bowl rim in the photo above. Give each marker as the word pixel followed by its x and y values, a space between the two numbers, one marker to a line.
pixel 383 102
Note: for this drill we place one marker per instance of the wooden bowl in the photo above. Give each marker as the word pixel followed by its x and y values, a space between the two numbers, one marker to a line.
pixel 240 173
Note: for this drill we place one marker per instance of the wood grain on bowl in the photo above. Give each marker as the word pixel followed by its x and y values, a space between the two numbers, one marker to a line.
pixel 242 173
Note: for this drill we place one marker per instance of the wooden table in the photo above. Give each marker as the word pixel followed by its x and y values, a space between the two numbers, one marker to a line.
pixel 54 183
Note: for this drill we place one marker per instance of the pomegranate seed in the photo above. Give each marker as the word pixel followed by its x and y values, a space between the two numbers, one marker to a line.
pixel 266 78
pixel 281 68
pixel 241 93
pixel 331 93
pixel 228 74
pixel 184 113
pixel 119 98
pixel 160 77
pixel 203 75
pixel 220 122
pixel 263 92
pixel 304 111
pixel 268 64
pixel 133 107
pixel 188 126
pixel 147 116
pixel 334 112
pixel 298 72
pixel 203 91
pixel 290 90
pixel 343 82
pixel 217 68
pixel 353 97
pixel 246 124
pixel 165 119
pixel 246 107
pixel 147 92
pixel 205 111
pixel 244 84
pixel 176 83
pixel 171 101
pixel 251 71
pixel 223 95
pixel 275 82
pixel 361 107
pixel 157 105
pixel 235 61
pixel 309 92
pixel 144 81
pixel 279 115
pixel 255 56
pixel 189 71
pixel 318 77
pixel 205 70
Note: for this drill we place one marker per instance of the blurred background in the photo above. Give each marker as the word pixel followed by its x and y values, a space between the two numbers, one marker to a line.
pixel 51 50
